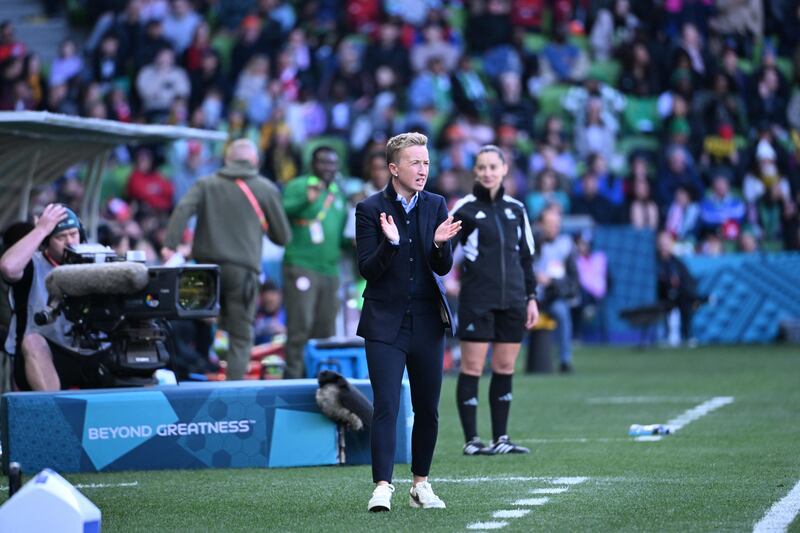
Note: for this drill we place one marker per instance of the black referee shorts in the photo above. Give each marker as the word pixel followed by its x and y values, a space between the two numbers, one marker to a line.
pixel 497 325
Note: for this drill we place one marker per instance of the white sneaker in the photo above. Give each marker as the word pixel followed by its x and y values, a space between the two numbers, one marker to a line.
pixel 421 496
pixel 381 499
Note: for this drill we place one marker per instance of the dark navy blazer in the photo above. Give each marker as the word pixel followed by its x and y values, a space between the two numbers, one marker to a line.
pixel 385 266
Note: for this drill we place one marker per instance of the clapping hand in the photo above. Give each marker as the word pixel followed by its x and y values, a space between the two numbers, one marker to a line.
pixel 389 228
pixel 446 231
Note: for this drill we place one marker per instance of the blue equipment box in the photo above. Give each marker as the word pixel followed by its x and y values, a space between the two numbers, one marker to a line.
pixel 344 355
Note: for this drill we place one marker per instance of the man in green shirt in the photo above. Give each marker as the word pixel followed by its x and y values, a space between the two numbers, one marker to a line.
pixel 317 211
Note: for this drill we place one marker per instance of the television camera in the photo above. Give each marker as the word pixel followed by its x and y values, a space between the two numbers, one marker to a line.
pixel 120 308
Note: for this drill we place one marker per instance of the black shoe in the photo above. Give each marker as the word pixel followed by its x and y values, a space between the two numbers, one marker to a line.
pixel 475 447
pixel 565 368
pixel 503 445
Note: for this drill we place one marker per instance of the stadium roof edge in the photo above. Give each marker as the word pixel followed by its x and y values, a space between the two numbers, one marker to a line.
pixel 37 147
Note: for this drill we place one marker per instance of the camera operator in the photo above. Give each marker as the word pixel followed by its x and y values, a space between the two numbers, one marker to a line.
pixel 44 356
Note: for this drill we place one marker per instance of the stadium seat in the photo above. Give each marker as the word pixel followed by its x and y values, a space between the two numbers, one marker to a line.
pixel 550 99
pixel 605 71
pixel 641 115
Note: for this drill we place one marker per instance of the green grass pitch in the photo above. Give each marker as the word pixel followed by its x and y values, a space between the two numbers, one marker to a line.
pixel 721 472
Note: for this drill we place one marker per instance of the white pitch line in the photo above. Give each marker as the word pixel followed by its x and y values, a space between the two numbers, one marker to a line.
pixel 532 501
pixel 575 480
pixel 96 485
pixel 487 525
pixel 781 514
pixel 579 440
pixel 510 513
pixel 698 411
pixel 505 479
pixel 625 400
pixel 553 490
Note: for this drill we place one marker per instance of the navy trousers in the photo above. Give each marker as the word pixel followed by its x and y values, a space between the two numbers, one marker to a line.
pixel 420 348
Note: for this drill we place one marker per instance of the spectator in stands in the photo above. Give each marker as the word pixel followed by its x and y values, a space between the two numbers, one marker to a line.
pixel 612 29
pixel 281 162
pixel 205 80
pixel 677 173
pixel 180 25
pixel 721 211
pixel 151 43
pixel 764 174
pixel 768 103
pixel 470 94
pixel 676 287
pixel 388 51
pixel 547 190
pixel 199 46
pixel 159 83
pixel 375 174
pixel 512 106
pixel 563 61
pixel 557 280
pixel 609 103
pixel 248 43
pixel 270 318
pixel 34 78
pixel 591 202
pixel 433 45
pixel 556 158
pixel 251 93
pixel 642 209
pixel 691 46
pixel 108 64
pixel 596 136
pixel 317 211
pixel 640 75
pixel 488 26
pixel 742 21
pixel 610 186
pixel 235 207
pixel 497 301
pixel 189 161
pixel 67 65
pixel 431 89
pixel 147 186
pixel 593 275
pixel 10 47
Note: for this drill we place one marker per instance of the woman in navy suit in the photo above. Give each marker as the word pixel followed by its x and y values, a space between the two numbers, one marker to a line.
pixel 403 242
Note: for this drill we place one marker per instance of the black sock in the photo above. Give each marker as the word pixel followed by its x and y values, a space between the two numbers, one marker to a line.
pixel 467 402
pixel 500 403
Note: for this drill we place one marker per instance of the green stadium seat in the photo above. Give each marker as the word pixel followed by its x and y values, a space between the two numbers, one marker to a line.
pixel 550 99
pixel 641 115
pixel 534 42
pixel 605 71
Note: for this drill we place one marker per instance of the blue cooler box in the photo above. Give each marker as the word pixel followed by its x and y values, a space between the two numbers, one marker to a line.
pixel 345 355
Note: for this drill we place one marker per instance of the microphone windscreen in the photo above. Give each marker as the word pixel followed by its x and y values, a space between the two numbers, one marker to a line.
pixel 96 278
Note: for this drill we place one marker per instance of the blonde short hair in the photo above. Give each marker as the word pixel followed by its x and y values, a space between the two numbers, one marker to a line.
pixel 404 140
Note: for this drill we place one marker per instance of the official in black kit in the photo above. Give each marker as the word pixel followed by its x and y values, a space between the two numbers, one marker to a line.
pixel 403 243
pixel 497 298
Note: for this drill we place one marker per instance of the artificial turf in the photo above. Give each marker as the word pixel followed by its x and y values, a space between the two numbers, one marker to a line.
pixel 721 472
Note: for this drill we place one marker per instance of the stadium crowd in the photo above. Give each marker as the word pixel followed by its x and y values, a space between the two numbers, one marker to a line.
pixel 679 115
